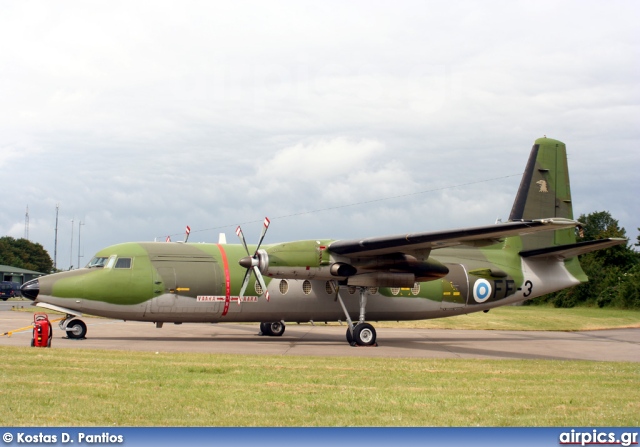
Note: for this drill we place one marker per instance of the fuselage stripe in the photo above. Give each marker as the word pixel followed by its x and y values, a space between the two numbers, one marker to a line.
pixel 227 281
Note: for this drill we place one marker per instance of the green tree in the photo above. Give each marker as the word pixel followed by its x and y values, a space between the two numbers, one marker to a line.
pixel 614 273
pixel 601 225
pixel 629 288
pixel 25 254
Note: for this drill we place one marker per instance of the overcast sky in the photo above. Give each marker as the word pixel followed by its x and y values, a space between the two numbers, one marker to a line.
pixel 335 119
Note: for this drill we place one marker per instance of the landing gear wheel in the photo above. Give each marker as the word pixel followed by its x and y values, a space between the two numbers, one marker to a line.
pixel 350 336
pixel 364 335
pixel 276 328
pixel 272 329
pixel 76 329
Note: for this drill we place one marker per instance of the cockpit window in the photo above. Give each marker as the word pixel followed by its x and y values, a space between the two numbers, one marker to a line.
pixel 110 262
pixel 97 262
pixel 123 263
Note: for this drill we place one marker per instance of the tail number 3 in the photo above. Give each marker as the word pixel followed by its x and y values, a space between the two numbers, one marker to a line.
pixel 528 288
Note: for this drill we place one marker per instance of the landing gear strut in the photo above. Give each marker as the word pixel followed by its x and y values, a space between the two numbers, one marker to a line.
pixel 362 333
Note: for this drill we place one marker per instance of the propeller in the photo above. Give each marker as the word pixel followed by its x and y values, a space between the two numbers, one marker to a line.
pixel 252 263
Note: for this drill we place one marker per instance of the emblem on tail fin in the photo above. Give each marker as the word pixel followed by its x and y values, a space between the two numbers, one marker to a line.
pixel 543 185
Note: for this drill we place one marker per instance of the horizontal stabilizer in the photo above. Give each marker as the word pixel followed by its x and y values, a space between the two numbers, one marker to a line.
pixel 571 250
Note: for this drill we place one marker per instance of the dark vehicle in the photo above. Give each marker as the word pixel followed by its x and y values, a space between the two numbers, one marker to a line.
pixel 9 290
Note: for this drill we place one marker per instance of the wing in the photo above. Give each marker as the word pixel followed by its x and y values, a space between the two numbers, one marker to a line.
pixel 422 242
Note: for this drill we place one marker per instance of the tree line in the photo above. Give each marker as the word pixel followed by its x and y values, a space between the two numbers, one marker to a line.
pixel 614 273
pixel 24 254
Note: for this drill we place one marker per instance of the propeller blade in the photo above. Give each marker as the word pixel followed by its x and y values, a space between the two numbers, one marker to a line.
pixel 240 234
pixel 265 226
pixel 245 283
pixel 260 279
pixel 251 263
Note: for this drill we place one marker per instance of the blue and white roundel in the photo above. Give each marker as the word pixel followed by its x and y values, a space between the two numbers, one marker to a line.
pixel 481 290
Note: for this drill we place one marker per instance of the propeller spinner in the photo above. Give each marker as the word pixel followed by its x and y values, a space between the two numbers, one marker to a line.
pixel 253 263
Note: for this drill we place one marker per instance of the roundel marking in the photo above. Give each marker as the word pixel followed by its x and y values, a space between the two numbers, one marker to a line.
pixel 481 290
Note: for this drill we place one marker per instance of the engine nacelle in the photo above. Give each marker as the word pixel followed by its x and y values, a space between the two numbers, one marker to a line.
pixel 342 269
pixel 312 260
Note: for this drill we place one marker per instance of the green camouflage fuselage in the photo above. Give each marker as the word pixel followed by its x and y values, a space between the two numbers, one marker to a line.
pixel 175 282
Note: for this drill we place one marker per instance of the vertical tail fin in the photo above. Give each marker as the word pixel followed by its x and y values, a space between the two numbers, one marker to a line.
pixel 544 192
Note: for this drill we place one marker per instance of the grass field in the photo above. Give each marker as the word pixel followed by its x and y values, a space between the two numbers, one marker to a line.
pixel 97 388
pixel 88 388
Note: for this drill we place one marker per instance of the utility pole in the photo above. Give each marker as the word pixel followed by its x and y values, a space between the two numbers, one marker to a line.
pixel 80 224
pixel 26 224
pixel 55 245
pixel 71 253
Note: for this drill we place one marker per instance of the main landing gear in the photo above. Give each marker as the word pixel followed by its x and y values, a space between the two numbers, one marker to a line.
pixel 272 329
pixel 362 333
pixel 76 329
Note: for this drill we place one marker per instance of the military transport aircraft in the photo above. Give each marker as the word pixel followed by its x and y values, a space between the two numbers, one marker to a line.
pixel 404 277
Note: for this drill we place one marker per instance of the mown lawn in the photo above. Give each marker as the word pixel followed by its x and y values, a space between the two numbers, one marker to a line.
pixel 104 388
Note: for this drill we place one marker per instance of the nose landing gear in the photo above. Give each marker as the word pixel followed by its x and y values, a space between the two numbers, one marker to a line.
pixel 76 329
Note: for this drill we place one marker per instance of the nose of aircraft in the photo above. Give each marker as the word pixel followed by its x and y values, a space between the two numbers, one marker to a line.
pixel 30 289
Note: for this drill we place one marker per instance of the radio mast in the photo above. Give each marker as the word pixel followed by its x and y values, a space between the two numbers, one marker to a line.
pixel 55 244
pixel 80 224
pixel 26 224
pixel 71 254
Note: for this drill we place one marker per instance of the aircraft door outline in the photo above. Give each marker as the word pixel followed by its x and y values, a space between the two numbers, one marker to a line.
pixel 168 297
pixel 455 288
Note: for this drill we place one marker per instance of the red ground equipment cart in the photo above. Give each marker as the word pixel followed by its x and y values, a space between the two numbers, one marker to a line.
pixel 42 331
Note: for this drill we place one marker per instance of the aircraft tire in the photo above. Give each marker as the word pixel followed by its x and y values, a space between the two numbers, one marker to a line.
pixel 272 329
pixel 33 342
pixel 76 330
pixel 276 329
pixel 265 329
pixel 349 336
pixel 364 334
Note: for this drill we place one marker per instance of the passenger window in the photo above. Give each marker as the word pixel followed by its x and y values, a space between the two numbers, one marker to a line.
pixel 123 263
